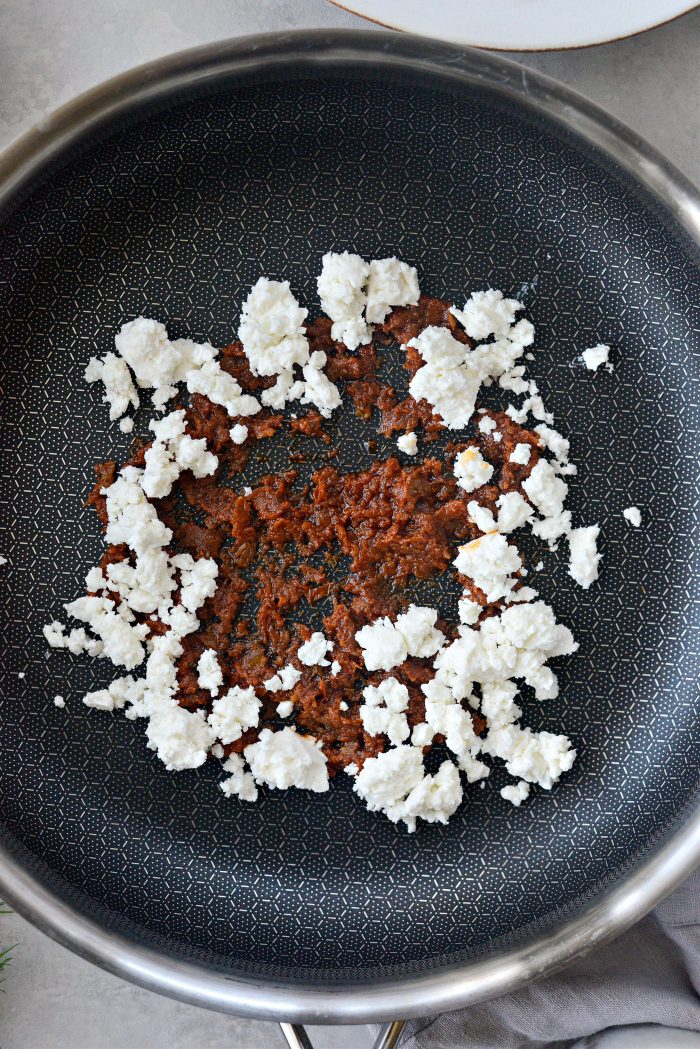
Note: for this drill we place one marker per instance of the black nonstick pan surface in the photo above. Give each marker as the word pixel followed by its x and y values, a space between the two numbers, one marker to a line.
pixel 172 206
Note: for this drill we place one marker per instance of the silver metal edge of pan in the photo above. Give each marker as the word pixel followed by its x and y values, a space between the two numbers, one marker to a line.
pixel 606 915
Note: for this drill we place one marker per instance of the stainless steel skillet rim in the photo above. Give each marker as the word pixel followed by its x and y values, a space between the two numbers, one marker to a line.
pixel 445 988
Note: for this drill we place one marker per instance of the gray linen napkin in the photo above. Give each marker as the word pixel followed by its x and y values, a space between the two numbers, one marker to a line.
pixel 650 974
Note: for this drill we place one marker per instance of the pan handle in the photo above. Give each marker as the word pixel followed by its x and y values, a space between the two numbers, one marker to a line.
pixel 388 1037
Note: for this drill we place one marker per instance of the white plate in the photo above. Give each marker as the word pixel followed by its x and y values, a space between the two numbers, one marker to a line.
pixel 520 25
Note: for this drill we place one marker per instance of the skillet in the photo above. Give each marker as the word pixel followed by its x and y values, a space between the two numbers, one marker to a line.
pixel 168 192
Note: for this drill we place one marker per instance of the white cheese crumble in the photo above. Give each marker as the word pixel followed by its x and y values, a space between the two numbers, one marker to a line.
pixel 383 710
pixel 120 392
pixel 172 452
pixel 386 645
pixel 285 708
pixel 239 783
pixel 356 295
pixel 395 783
pixel 209 675
pixel 159 364
pixel 516 793
pixel 59 701
pixel 182 738
pixel 271 328
pixel 487 313
pixel 233 713
pixel 284 680
pixel 285 759
pixel 448 380
pixel 238 433
pixel 318 389
pixel 471 469
pixel 390 283
pixel 341 289
pixel 487 424
pixel 408 443
pixel 335 668
pixel 313 652
pixel 596 356
pixel 520 454
pixel 583 563
pixel 633 515
pixel 490 561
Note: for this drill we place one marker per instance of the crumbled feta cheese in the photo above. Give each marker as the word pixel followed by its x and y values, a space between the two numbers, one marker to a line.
pixel 59 701
pixel 247 490
pixel 197 579
pixel 513 511
pixel 283 681
pixel 584 558
pixel 145 347
pixel 313 652
pixel 318 389
pixel 341 287
pixel 490 561
pixel 383 647
pixel 481 516
pixel 422 735
pixel 285 759
pixel 634 515
pixel 271 328
pixel 394 783
pixel 390 283
pixel 172 452
pixel 181 737
pixel 343 705
pixel 218 751
pixel 383 711
pixel 385 782
pixel 435 798
pixel 234 713
pixel 595 356
pixel 117 694
pixel 487 424
pixel 520 454
pixel 238 433
pixel 469 611
pixel 126 425
pixel 209 675
pixel 553 440
pixel 286 388
pixel 516 793
pixel 487 313
pixel 335 668
pixel 417 628
pixel 408 443
pixel 239 783
pixel 448 380
pixel 446 715
pixel 385 644
pixel 285 708
pixel 471 469
pixel 515 644
pixel 3 560
pixel 533 404
pixel 120 391
pixel 537 757
pixel 545 490
pixel 123 643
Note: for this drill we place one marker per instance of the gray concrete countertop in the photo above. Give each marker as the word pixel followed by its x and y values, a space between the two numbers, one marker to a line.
pixel 53 49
